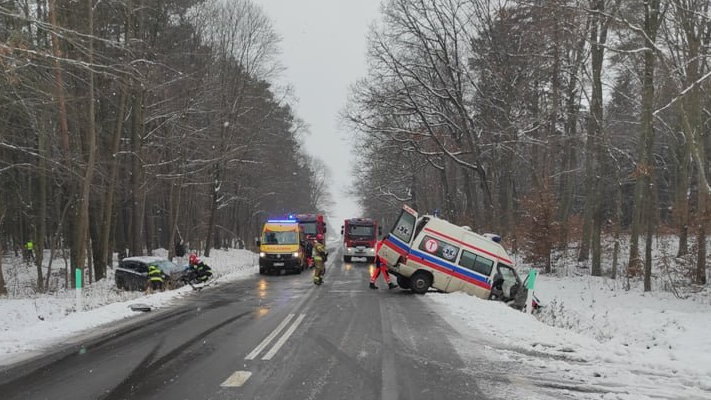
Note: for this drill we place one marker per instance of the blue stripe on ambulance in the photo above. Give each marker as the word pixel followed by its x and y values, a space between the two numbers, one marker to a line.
pixel 448 267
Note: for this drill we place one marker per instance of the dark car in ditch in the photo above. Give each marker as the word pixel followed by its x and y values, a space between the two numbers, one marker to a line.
pixel 132 272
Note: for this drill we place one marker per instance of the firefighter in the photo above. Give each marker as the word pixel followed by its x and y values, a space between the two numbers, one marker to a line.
pixel 380 267
pixel 319 255
pixel 202 271
pixel 155 278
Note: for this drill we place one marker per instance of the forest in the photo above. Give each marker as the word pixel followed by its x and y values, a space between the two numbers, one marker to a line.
pixel 128 125
pixel 555 123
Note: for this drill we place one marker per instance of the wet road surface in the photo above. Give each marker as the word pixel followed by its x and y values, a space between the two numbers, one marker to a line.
pixel 268 337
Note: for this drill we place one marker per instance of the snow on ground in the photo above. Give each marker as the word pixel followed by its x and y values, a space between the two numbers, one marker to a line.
pixel 32 322
pixel 595 339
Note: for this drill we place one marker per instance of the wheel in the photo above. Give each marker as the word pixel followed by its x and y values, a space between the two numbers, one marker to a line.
pixel 403 282
pixel 347 259
pixel 420 282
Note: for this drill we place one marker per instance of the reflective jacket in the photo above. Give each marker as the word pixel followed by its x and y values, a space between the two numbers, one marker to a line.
pixel 155 274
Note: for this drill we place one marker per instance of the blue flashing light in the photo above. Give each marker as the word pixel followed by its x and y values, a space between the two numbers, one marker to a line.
pixel 282 221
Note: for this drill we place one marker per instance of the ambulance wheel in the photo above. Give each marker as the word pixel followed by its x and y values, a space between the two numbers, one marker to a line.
pixel 403 282
pixel 347 259
pixel 420 282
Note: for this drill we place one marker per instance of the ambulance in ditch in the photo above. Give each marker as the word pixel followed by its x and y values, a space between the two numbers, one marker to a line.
pixel 426 251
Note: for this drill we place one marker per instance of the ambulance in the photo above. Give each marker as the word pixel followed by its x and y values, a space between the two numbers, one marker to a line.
pixel 280 247
pixel 428 252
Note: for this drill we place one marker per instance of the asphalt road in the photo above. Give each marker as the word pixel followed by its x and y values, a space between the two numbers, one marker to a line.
pixel 267 337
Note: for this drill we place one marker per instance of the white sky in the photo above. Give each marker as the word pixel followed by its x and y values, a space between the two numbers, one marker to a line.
pixel 323 49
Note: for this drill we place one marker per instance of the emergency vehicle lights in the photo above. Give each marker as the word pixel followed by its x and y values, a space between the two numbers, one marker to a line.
pixel 281 221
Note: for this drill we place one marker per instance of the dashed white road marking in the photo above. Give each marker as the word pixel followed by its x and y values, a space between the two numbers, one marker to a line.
pixel 268 339
pixel 284 338
pixel 237 379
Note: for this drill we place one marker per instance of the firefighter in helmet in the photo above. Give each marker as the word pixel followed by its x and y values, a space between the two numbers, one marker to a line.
pixel 319 255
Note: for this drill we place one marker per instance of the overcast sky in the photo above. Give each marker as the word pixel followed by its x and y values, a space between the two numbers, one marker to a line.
pixel 323 49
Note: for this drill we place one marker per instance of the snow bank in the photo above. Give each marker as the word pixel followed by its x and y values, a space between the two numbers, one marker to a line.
pixel 623 345
pixel 39 321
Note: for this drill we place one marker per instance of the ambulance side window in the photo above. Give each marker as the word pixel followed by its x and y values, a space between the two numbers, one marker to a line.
pixel 439 248
pixel 404 227
pixel 476 263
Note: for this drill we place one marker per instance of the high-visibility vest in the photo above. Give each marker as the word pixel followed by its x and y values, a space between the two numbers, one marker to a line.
pixel 155 274
pixel 29 245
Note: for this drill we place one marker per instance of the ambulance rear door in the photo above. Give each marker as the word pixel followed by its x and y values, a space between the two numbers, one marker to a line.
pixel 398 242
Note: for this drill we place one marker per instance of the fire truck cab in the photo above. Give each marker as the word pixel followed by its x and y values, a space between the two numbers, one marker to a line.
pixel 312 225
pixel 359 238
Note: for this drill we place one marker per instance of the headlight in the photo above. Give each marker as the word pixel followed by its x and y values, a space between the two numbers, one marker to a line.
pixel 295 254
pixel 262 254
pixel 350 249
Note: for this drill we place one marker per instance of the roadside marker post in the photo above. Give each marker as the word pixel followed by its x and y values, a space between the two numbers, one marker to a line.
pixel 77 285
pixel 530 285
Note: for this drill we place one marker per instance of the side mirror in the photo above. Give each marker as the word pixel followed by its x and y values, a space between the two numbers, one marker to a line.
pixel 380 230
pixel 257 242
pixel 325 229
pixel 342 229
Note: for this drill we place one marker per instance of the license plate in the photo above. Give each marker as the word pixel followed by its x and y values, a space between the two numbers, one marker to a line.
pixel 279 264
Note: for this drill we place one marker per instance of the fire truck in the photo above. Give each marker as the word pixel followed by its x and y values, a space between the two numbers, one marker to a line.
pixel 312 224
pixel 359 237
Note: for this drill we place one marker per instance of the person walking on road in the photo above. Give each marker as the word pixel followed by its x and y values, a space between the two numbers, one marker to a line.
pixel 380 267
pixel 319 255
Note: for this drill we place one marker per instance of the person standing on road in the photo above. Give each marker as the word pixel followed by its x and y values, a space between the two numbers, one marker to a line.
pixel 155 278
pixel 380 267
pixel 319 255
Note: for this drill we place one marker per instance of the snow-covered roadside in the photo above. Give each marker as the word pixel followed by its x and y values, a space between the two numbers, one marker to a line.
pixel 603 342
pixel 29 324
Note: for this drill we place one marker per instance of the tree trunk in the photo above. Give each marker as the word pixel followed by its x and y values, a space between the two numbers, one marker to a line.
pixel 618 227
pixel 137 175
pixel 105 253
pixel 645 168
pixel 213 211
pixel 42 234
pixel 3 288
pixel 703 217
pixel 82 225
pixel 681 209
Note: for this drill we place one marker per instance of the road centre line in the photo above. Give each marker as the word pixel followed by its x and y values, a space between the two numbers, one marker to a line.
pixel 284 338
pixel 268 339
pixel 237 379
